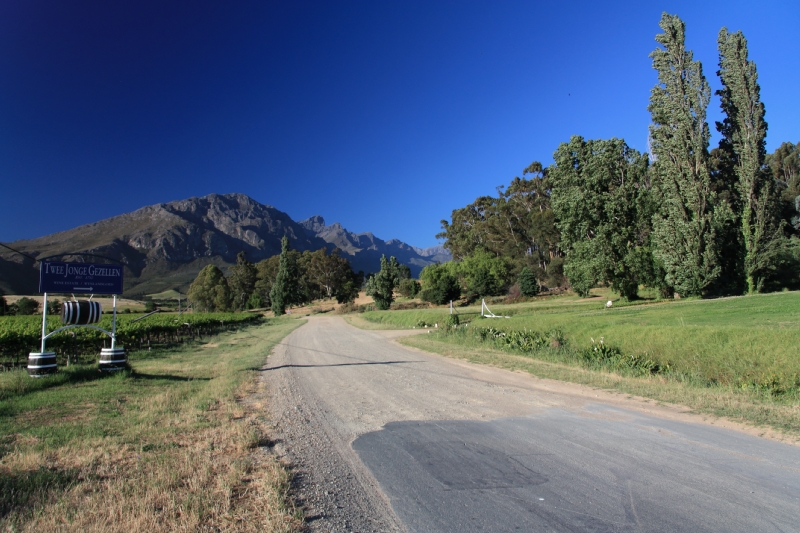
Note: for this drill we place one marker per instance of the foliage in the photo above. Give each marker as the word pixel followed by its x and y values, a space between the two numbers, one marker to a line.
pixel 381 285
pixel 409 288
pixel 440 285
pixel 484 274
pixel 21 334
pixel 331 272
pixel 209 291
pixel 528 284
pixel 599 201
pixel 255 301
pixel 686 227
pixel 53 306
pixel 744 134
pixel 517 224
pixel 242 282
pixel 784 164
pixel 3 303
pixel 27 306
pixel 266 272
pixel 285 290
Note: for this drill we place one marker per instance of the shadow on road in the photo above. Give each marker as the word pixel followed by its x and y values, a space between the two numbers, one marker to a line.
pixel 339 364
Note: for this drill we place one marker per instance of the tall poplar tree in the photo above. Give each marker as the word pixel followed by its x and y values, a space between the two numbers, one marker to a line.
pixel 685 229
pixel 285 290
pixel 744 133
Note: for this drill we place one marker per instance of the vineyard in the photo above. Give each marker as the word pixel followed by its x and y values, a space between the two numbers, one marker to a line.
pixel 20 335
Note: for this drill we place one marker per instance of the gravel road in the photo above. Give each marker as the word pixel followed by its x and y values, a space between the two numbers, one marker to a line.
pixel 383 438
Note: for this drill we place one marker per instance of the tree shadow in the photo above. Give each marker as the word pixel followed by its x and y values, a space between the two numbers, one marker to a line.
pixel 337 364
pixel 25 492
pixel 166 377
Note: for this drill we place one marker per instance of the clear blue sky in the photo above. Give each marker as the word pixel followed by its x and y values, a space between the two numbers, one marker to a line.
pixel 384 116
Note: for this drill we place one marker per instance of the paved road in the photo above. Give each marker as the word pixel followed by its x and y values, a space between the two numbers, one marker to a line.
pixel 386 438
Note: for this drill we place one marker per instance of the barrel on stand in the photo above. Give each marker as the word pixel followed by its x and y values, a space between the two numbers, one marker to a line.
pixel 41 364
pixel 81 312
pixel 113 359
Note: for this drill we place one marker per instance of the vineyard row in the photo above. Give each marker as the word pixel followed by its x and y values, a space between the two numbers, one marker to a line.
pixel 20 335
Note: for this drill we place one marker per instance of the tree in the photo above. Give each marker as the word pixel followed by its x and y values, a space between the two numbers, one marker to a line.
pixel 484 274
pixel 744 133
pixel 439 284
pixel 597 197
pixel 408 288
pixel 329 272
pixel 528 284
pixel 381 285
pixel 242 281
pixel 285 289
pixel 348 291
pixel 266 272
pixel 685 228
pixel 209 291
pixel 784 164
pixel 27 306
pixel 517 224
pixel 3 303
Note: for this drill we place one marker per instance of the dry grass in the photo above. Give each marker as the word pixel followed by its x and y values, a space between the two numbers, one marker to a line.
pixel 189 458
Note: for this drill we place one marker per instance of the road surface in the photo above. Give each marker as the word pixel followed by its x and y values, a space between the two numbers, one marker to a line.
pixel 384 438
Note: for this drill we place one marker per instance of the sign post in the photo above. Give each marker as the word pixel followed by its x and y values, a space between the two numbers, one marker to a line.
pixel 78 278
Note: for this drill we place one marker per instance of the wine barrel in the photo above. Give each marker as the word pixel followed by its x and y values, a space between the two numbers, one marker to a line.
pixel 41 364
pixel 113 359
pixel 81 312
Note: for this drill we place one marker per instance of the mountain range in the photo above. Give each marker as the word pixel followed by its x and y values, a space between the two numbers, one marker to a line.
pixel 164 246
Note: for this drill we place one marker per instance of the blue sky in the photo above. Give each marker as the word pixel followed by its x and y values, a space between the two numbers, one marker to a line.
pixel 384 116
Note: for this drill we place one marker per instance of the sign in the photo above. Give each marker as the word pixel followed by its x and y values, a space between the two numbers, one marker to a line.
pixel 82 278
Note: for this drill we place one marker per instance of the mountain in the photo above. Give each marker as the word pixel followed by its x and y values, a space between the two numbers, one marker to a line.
pixel 365 249
pixel 164 246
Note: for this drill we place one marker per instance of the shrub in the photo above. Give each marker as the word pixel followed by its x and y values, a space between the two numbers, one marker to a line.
pixel 27 306
pixel 452 321
pixel 409 288
pixel 440 285
pixel 528 284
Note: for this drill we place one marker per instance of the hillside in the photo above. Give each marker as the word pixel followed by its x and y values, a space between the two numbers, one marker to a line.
pixel 365 249
pixel 164 246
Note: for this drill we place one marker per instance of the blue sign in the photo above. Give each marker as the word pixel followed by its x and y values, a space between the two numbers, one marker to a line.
pixel 83 278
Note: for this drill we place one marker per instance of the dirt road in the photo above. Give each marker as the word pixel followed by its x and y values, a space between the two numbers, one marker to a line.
pixel 384 438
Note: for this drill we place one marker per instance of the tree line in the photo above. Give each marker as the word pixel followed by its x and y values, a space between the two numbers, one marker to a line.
pixel 682 219
pixel 284 280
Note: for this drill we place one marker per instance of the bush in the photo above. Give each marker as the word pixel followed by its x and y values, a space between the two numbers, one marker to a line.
pixel 27 306
pixel 345 308
pixel 528 284
pixel 409 288
pixel 440 285
pixel 452 321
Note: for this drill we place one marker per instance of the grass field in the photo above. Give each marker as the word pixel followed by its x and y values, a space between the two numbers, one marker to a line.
pixel 166 446
pixel 744 349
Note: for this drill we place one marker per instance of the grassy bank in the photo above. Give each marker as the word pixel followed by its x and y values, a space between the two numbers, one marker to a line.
pixel 166 446
pixel 735 357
